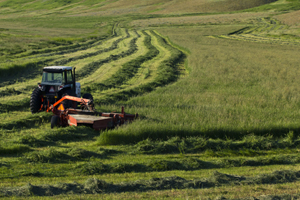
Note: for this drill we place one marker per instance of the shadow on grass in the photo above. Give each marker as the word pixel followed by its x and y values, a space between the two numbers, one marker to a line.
pixel 50 137
pixel 96 186
pixel 119 137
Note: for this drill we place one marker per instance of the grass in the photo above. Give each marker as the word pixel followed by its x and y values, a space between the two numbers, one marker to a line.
pixel 289 5
pixel 94 186
pixel 216 92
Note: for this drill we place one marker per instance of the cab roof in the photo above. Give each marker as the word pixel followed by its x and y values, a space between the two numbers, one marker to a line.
pixel 57 68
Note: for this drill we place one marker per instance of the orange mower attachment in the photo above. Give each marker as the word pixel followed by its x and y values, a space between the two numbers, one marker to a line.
pixel 86 115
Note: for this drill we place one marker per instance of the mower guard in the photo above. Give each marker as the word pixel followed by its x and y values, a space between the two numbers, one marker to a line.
pixel 87 115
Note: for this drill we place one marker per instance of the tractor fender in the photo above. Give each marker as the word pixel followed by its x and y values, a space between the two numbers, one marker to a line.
pixel 78 89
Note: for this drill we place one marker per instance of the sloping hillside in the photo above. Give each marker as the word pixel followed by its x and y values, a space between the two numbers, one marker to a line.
pixel 122 7
pixel 291 19
pixel 215 84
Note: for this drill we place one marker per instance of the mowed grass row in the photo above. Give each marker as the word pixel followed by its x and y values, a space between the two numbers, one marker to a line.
pixel 107 70
pixel 267 30
pixel 126 72
pixel 27 86
pixel 167 72
pixel 13 63
pixel 170 187
pixel 30 69
pixel 125 163
pixel 228 94
pixel 45 147
pixel 145 73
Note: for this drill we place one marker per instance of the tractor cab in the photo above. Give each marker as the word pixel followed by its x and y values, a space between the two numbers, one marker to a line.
pixel 58 78
pixel 57 81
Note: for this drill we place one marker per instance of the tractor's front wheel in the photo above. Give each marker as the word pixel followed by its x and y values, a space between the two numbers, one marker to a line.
pixel 36 100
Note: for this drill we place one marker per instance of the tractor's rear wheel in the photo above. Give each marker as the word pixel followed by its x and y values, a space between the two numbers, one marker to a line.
pixel 36 100
pixel 54 121
pixel 88 96
pixel 91 104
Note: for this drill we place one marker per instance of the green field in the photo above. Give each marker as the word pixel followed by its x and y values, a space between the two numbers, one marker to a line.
pixel 215 84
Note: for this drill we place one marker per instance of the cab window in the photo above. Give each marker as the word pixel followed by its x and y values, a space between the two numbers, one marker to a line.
pixel 69 77
pixel 52 77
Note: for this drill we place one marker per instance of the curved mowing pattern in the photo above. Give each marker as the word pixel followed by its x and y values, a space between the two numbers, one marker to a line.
pixel 30 70
pixel 267 30
pixel 161 69
pixel 132 62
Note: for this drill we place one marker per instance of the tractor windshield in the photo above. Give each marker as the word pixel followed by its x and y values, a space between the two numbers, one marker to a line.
pixel 53 78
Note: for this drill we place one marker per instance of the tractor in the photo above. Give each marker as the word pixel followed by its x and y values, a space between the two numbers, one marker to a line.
pixel 57 82
pixel 60 93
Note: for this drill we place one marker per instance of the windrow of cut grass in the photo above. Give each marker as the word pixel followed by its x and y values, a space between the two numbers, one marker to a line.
pixel 51 46
pixel 167 72
pixel 94 53
pixel 31 70
pixel 96 186
pixel 34 64
pixel 22 62
pixel 84 162
pixel 17 105
pixel 35 133
pixel 186 164
pixel 113 41
pixel 267 30
pixel 62 49
pixel 90 68
pixel 146 72
pixel 128 69
pixel 22 120
pixel 108 69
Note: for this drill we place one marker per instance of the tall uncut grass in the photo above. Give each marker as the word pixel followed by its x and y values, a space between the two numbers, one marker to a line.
pixel 234 88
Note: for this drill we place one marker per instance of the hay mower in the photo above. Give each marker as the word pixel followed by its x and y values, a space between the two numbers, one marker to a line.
pixel 58 92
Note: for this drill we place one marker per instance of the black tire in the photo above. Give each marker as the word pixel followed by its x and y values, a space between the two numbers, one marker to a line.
pixel 54 121
pixel 88 96
pixel 35 100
